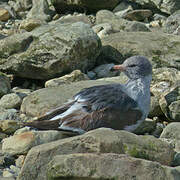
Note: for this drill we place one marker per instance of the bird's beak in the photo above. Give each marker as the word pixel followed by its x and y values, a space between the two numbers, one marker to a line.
pixel 118 67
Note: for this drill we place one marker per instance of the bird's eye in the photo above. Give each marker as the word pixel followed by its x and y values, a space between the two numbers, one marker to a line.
pixel 132 65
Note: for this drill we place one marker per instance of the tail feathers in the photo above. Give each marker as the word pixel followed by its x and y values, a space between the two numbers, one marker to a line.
pixel 49 125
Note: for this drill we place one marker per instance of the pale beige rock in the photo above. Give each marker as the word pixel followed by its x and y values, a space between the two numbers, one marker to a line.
pixel 4 14
pixel 76 75
pixel 30 24
pixel 9 126
pixel 23 142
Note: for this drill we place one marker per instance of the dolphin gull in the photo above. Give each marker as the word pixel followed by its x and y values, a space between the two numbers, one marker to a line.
pixel 116 106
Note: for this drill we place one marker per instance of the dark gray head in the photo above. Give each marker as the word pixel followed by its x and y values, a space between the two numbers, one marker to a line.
pixel 135 67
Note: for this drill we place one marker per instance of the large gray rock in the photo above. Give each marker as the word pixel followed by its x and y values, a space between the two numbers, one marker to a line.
pixel 50 50
pixel 119 24
pixel 167 6
pixel 90 5
pixel 170 103
pixel 107 166
pixel 172 23
pixel 171 134
pixel 97 141
pixel 159 48
pixel 5 86
pixel 40 10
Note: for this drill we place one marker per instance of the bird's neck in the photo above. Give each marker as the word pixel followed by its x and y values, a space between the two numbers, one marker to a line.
pixel 137 87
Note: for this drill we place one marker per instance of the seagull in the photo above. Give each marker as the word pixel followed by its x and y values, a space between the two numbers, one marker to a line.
pixel 116 106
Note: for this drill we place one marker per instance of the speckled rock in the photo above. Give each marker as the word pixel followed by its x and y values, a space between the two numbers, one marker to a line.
pixel 4 14
pixel 75 76
pixel 171 134
pixel 97 141
pixel 10 101
pixel 25 141
pixel 138 15
pixel 119 24
pixel 5 84
pixel 30 24
pixel 50 50
pixel 9 114
pixel 170 103
pixel 107 166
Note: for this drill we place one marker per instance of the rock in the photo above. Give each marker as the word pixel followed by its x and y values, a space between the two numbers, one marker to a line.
pixel 43 100
pixel 22 5
pixel 10 101
pixel 5 84
pixel 163 79
pixel 172 23
pixel 21 92
pixel 159 48
pixel 9 126
pixel 97 141
pixel 107 166
pixel 74 18
pixel 171 133
pixel 124 5
pixel 167 6
pixel 75 76
pixel 4 14
pixel 20 161
pixel 170 103
pixel 89 5
pixel 138 15
pixel 40 10
pixel 103 30
pixel 25 141
pixel 147 126
pixel 30 24
pixel 155 109
pixel 50 50
pixel 9 114
pixel 117 23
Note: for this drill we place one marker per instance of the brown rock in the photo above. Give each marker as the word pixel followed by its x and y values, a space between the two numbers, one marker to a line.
pixel 4 14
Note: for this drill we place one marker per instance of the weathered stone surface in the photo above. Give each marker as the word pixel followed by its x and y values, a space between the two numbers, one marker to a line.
pixel 90 5
pixel 10 101
pixel 107 166
pixel 138 15
pixel 9 114
pixel 170 103
pixel 5 84
pixel 30 24
pixel 8 126
pixel 74 18
pixel 172 23
pixel 159 48
pixel 97 141
pixel 75 76
pixel 50 50
pixel 117 23
pixel 43 100
pixel 167 6
pixel 40 10
pixel 25 141
pixel 4 14
pixel 163 79
pixel 171 133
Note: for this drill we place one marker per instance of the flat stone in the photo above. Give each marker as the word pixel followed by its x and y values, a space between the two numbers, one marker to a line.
pixel 107 166
pixel 97 141
pixel 25 141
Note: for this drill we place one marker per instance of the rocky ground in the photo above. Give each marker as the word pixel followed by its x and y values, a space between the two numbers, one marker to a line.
pixel 51 49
